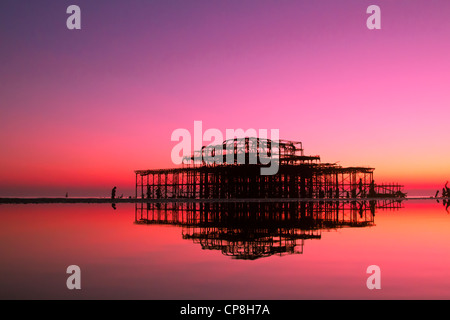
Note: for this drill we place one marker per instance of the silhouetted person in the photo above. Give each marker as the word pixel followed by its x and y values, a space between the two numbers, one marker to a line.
pixel 360 187
pixel 67 194
pixel 158 193
pixel 372 189
pixel 113 193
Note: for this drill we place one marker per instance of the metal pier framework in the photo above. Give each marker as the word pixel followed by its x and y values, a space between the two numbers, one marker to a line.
pixel 298 175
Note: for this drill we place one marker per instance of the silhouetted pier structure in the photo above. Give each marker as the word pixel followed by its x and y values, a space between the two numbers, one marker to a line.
pixel 254 230
pixel 298 176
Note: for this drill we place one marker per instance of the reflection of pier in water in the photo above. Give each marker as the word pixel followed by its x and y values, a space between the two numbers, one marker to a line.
pixel 260 229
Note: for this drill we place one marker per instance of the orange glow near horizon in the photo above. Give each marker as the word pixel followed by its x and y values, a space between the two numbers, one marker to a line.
pixel 48 174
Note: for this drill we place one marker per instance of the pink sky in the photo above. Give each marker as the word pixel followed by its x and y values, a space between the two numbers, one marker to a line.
pixel 81 110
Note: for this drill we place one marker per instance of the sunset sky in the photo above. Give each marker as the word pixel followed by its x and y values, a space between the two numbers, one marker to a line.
pixel 80 110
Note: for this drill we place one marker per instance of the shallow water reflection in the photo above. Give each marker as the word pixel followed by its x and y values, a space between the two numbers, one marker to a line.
pixel 254 230
pixel 250 251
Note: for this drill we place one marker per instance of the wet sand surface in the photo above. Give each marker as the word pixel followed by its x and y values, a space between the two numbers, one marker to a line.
pixel 185 200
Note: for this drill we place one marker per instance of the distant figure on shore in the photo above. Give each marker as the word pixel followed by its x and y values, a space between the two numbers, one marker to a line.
pixel 158 193
pixel 360 187
pixel 113 193
pixel 67 194
pixel 372 189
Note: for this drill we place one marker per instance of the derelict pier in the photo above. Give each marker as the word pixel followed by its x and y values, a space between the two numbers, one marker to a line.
pixel 298 176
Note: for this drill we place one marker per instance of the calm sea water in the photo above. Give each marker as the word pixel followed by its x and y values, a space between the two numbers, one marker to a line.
pixel 283 251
